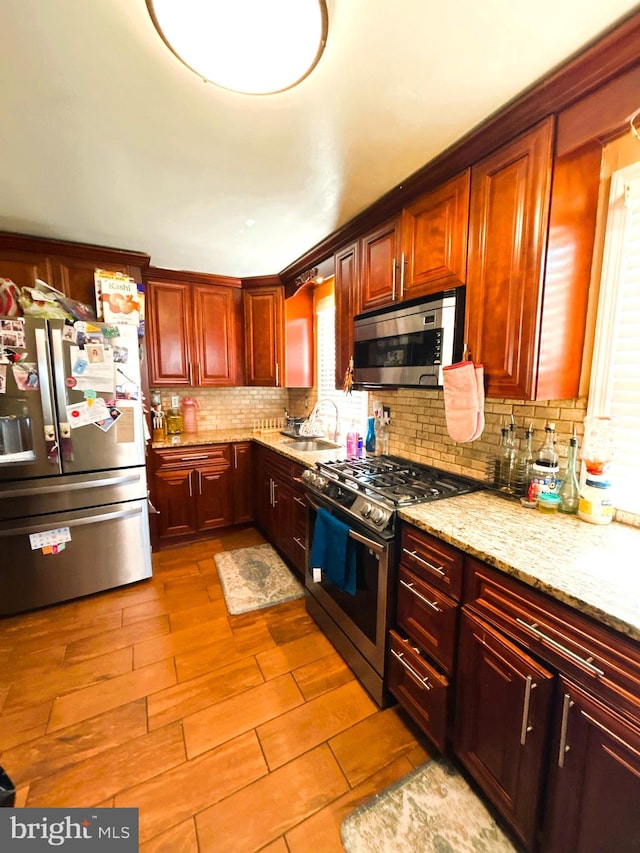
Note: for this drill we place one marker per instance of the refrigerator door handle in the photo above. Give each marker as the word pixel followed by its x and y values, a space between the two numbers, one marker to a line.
pixel 77 522
pixel 39 489
pixel 61 395
pixel 42 361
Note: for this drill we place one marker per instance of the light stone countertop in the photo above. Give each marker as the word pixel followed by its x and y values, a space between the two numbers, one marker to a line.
pixel 594 569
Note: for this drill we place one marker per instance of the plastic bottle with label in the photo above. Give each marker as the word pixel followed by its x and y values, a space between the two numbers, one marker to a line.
pixel 352 442
pixel 595 504
pixel 189 417
pixel 544 471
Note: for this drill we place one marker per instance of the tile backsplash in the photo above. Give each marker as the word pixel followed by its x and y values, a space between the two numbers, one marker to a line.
pixel 418 425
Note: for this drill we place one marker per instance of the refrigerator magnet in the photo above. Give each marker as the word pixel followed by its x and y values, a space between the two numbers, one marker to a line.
pixel 3 378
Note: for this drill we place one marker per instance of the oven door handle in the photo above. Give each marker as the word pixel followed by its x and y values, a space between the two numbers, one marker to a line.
pixel 375 546
pixel 379 549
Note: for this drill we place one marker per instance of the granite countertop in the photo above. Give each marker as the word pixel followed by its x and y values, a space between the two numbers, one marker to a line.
pixel 594 569
pixel 269 438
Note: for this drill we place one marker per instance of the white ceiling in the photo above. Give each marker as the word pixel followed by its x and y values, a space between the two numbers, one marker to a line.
pixel 106 138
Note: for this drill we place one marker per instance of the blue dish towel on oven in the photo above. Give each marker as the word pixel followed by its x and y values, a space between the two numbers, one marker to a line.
pixel 332 551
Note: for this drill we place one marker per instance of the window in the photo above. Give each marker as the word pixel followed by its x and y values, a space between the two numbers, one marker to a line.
pixel 615 375
pixel 351 407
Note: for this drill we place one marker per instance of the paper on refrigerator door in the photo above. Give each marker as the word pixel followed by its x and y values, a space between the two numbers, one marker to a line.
pixel 49 537
pixel 93 368
pixel 87 412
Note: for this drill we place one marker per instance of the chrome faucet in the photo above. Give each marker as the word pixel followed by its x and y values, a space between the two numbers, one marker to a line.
pixel 314 413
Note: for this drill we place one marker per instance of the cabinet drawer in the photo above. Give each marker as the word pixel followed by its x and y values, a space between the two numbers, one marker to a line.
pixel 195 456
pixel 429 617
pixel 607 664
pixel 435 561
pixel 421 691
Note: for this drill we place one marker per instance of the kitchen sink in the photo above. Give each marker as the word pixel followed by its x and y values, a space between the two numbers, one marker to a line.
pixel 311 444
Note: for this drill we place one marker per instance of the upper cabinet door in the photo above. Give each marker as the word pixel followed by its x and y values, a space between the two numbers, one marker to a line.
pixel 169 333
pixel 217 328
pixel 381 267
pixel 434 237
pixel 263 324
pixel 346 299
pixel 510 192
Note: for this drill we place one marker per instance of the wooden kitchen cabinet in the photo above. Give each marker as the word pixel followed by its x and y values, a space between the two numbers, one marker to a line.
pixel 264 335
pixel 504 701
pixel 243 482
pixel 69 267
pixel 596 752
pixel 585 798
pixel 347 302
pixel 194 330
pixel 202 488
pixel 282 506
pixel 434 239
pixel 299 522
pixel 279 348
pixel 420 252
pixel 381 265
pixel 422 646
pixel 509 216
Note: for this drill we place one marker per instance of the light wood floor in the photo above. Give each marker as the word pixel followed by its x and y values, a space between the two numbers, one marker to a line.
pixel 229 733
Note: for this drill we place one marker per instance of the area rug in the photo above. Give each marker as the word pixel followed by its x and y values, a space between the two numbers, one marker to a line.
pixel 255 577
pixel 432 810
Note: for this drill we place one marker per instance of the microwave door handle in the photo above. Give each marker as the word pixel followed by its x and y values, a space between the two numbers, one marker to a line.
pixel 46 401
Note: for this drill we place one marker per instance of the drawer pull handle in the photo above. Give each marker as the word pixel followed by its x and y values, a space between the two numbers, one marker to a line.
pixel 563 749
pixel 299 501
pixel 590 667
pixel 432 604
pixel 423 682
pixel 190 458
pixel 299 542
pixel 437 569
pixel 525 727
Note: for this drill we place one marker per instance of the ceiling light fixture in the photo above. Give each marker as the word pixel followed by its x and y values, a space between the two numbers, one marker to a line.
pixel 256 47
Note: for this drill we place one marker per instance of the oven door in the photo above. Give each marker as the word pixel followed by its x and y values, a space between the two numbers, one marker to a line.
pixel 362 618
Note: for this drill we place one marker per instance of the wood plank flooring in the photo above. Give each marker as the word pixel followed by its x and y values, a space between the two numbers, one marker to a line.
pixel 228 733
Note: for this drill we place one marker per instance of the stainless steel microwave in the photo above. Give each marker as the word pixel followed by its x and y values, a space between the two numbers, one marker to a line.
pixel 408 345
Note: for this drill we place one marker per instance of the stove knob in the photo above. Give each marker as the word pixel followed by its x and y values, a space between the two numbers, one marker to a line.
pixel 377 516
pixel 320 482
pixel 365 511
pixel 307 475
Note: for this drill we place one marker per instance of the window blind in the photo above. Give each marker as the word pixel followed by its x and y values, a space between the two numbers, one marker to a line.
pixel 615 378
pixel 351 407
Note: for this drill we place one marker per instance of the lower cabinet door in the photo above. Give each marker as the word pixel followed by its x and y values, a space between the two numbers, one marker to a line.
pixel 594 801
pixel 419 688
pixel 214 497
pixel 503 706
pixel 175 498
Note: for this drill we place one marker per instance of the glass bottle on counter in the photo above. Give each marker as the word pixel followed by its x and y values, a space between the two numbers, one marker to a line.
pixel 524 464
pixel 174 418
pixel 507 460
pixel 569 491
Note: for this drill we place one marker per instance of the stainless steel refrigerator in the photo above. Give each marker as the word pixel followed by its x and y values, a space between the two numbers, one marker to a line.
pixel 73 489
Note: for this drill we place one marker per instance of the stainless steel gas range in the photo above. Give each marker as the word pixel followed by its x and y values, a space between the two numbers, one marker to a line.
pixel 364 495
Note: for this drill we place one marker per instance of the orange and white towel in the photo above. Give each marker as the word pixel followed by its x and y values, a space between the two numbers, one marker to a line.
pixel 463 386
